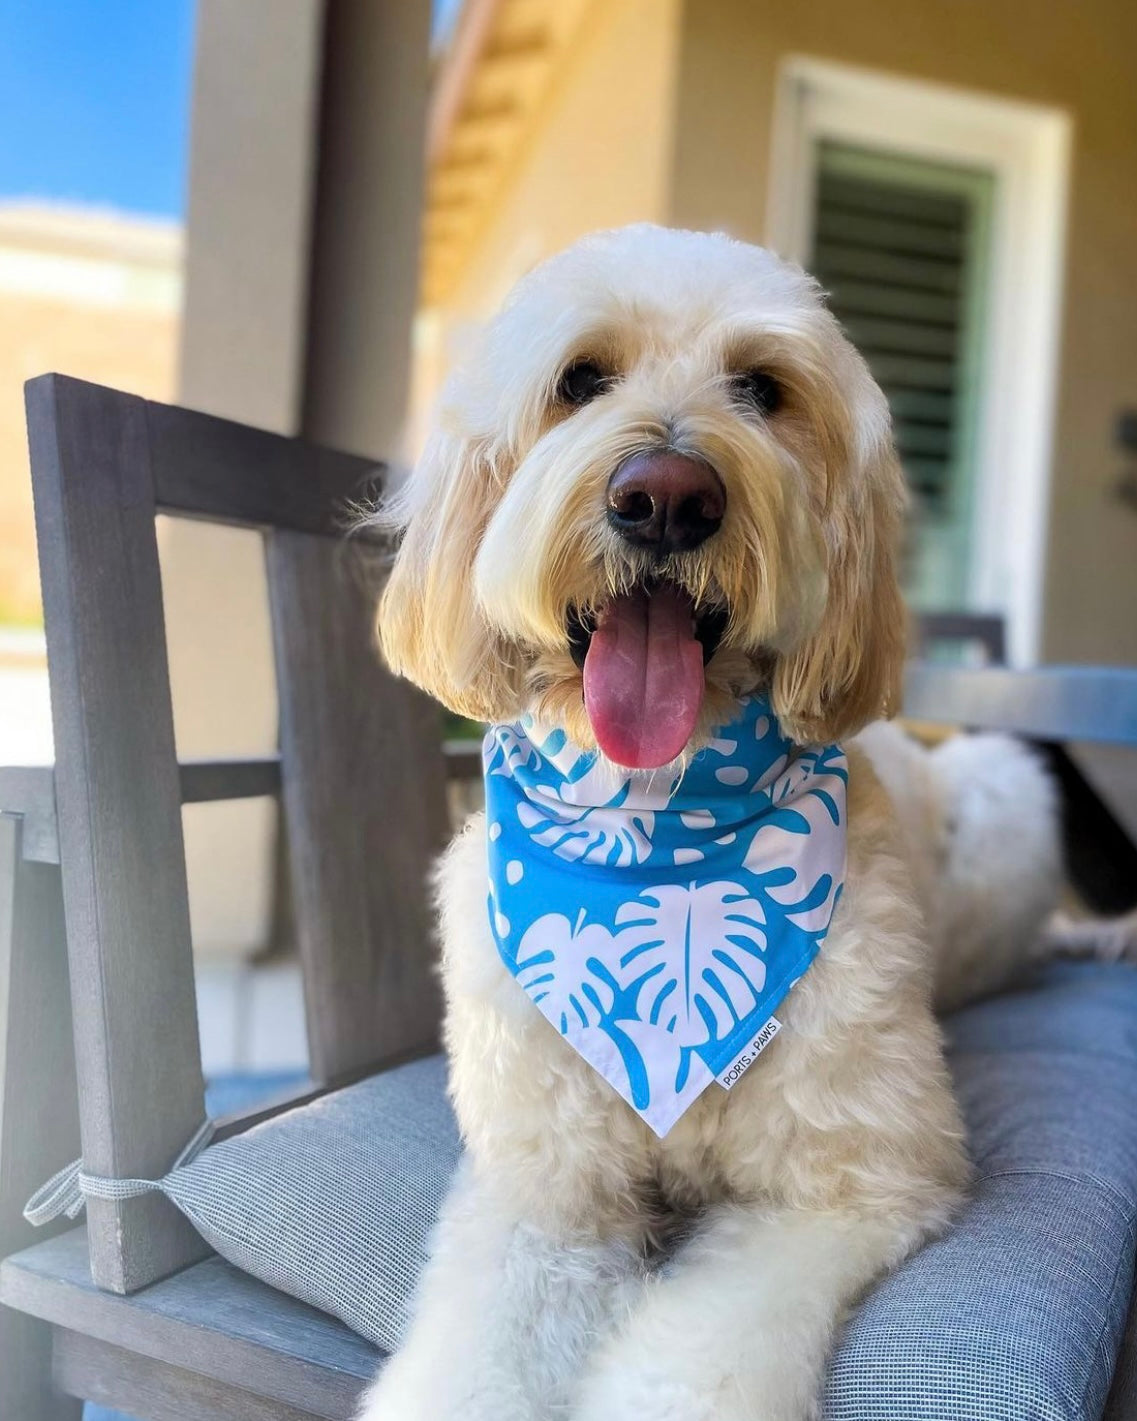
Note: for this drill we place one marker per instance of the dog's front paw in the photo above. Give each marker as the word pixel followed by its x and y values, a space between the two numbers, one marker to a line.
pixel 647 1393
pixel 398 1394
pixel 405 1392
pixel 418 1386
pixel 687 1388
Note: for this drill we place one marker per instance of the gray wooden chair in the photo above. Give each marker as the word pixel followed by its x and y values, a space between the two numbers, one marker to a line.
pixel 130 1310
pixel 974 632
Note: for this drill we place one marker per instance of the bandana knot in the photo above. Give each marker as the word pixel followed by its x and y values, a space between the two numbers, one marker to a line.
pixel 657 919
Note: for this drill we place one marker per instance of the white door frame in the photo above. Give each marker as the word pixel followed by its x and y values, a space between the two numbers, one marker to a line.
pixel 1027 148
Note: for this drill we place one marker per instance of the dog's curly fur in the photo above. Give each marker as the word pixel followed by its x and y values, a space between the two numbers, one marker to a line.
pixel 777 1205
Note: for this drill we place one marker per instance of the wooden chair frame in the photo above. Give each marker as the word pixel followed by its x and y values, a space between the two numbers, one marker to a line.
pixel 360 771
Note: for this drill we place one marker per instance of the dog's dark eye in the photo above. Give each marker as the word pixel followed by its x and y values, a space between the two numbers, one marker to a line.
pixel 581 382
pixel 758 388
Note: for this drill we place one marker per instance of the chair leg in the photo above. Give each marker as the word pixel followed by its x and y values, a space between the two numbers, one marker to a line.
pixel 27 1392
pixel 39 1127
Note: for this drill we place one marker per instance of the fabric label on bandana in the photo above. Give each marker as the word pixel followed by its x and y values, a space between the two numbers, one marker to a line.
pixel 657 919
pixel 749 1054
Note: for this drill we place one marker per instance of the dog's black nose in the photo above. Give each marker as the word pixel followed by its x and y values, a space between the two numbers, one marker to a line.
pixel 667 502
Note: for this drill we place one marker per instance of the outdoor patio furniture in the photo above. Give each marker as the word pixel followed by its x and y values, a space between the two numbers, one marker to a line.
pixel 132 1309
pixel 362 781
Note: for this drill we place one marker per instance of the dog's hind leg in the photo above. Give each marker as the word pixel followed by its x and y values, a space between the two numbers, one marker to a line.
pixel 505 1315
pixel 1099 939
pixel 741 1326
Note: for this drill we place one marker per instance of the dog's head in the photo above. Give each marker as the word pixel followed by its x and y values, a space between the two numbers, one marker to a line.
pixel 663 479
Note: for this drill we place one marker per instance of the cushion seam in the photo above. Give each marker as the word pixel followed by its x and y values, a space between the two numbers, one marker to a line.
pixel 1128 1206
pixel 1100 1347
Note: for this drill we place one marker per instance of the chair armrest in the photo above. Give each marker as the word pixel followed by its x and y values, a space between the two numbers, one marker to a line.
pixel 1057 703
pixel 29 790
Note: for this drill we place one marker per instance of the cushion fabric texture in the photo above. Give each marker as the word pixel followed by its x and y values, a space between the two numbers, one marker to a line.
pixel 1016 1313
pixel 334 1202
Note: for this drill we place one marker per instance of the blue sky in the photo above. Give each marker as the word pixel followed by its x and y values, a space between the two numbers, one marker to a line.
pixel 94 101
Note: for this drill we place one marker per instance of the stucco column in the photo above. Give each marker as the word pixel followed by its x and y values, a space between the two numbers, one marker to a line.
pixel 302 251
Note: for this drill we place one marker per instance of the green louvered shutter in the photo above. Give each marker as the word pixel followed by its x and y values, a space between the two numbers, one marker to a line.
pixel 902 247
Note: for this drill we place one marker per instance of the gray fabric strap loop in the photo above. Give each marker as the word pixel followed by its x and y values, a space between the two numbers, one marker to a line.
pixel 198 1141
pixel 67 1191
pixel 60 1195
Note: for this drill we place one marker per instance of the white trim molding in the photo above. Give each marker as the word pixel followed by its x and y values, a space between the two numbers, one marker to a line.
pixel 1027 149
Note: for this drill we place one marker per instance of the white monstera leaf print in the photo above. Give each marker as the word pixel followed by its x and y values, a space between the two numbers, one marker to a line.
pixel 579 834
pixel 565 969
pixel 552 966
pixel 720 926
pixel 800 851
pixel 507 750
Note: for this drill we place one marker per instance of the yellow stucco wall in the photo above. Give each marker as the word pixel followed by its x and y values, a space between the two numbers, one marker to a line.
pixel 1076 54
pixel 134 351
pixel 85 294
pixel 601 157
pixel 598 155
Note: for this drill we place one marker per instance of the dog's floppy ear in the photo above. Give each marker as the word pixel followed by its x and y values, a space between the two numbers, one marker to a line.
pixel 429 627
pixel 848 672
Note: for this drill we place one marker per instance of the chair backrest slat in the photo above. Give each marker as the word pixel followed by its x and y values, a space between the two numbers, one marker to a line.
pixel 212 468
pixel 119 815
pixel 364 789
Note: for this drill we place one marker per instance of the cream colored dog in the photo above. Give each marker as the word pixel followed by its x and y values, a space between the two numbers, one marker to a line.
pixel 668 420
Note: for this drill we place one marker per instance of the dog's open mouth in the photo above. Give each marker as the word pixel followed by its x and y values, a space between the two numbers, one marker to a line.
pixel 643 656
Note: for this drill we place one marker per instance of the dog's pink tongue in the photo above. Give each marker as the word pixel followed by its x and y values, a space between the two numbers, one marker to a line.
pixel 643 678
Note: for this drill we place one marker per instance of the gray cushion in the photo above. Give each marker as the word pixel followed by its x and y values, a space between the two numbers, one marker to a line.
pixel 334 1201
pixel 1016 1313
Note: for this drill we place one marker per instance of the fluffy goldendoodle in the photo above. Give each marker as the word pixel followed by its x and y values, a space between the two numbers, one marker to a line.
pixel 660 495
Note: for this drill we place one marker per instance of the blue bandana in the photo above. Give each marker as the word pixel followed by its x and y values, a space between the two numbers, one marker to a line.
pixel 658 919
